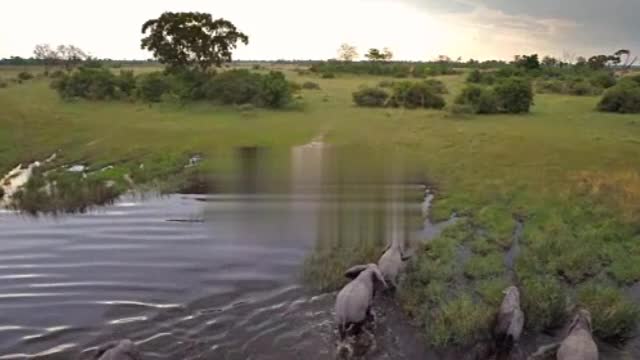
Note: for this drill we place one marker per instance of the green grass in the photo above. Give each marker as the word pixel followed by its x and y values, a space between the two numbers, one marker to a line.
pixel 571 172
pixel 613 316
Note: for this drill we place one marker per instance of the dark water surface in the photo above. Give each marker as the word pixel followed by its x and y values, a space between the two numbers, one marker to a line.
pixel 185 277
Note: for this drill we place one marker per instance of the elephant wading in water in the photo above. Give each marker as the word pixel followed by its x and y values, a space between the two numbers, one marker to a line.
pixel 123 350
pixel 509 323
pixel 353 304
pixel 391 263
pixel 579 344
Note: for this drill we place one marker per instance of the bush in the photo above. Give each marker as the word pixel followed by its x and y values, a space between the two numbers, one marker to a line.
pixel 152 87
pixel 88 83
pixel 275 91
pixel 310 85
pixel 25 76
pixel 235 87
pixel 551 86
pixel 622 98
pixel 614 316
pixel 604 80
pixel 126 82
pixel 414 95
pixel 328 76
pixel 57 74
pixel 581 87
pixel 371 97
pixel 188 84
pixel 437 86
pixel 3 84
pixel 481 100
pixel 515 95
pixel 386 83
pixel 294 87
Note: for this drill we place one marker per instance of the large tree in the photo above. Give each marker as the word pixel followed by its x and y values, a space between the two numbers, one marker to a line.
pixel 347 52
pixel 191 39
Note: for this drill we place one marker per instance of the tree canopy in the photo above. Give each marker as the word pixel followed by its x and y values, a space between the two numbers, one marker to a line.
pixel 191 39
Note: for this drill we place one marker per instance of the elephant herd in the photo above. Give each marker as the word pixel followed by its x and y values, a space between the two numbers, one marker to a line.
pixel 354 303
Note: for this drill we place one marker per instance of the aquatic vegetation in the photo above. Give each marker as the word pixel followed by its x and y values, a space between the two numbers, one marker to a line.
pixel 459 322
pixel 614 316
pixel 545 302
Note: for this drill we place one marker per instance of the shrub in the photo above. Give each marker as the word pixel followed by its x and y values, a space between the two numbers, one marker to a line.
pixel 328 76
pixel 604 80
pixel 310 85
pixel 126 82
pixel 622 98
pixel 386 83
pixel 235 87
pixel 25 76
pixel 57 74
pixel 275 91
pixel 551 86
pixel 294 87
pixel 437 86
pixel 580 87
pixel 614 317
pixel 88 83
pixel 414 95
pixel 3 84
pixel 515 95
pixel 481 100
pixel 371 97
pixel 151 87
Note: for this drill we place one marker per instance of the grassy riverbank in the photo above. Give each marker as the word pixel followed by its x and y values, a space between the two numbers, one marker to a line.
pixel 569 173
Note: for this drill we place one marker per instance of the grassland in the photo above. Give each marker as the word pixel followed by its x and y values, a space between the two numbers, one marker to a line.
pixel 571 174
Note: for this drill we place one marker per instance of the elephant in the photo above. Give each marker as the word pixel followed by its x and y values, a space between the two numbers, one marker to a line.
pixel 509 321
pixel 391 263
pixel 353 303
pixel 579 344
pixel 122 350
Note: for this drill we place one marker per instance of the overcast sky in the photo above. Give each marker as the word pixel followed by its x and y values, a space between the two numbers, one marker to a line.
pixel 304 29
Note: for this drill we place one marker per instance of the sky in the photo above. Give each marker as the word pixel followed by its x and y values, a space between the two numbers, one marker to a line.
pixel 312 29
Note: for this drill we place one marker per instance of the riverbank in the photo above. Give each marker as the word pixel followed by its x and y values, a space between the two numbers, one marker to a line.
pixel 568 172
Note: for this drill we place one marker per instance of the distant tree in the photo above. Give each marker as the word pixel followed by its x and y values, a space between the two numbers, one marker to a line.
pixel 599 62
pixel 444 59
pixel 387 55
pixel 550 61
pixel 628 60
pixel 71 56
pixel 191 39
pixel 47 55
pixel 374 55
pixel 529 62
pixel 581 61
pixel 347 52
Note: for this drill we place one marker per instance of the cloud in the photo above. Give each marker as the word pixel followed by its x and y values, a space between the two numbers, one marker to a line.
pixel 580 25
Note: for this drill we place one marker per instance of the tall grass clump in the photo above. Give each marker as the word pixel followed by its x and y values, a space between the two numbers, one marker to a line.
pixel 614 316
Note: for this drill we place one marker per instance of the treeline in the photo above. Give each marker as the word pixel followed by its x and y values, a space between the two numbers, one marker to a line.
pixel 32 61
